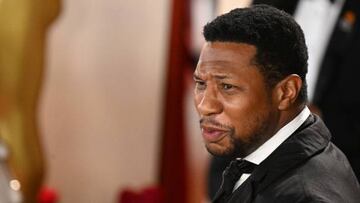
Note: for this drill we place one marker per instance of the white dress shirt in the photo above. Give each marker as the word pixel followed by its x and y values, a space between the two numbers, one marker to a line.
pixel 261 153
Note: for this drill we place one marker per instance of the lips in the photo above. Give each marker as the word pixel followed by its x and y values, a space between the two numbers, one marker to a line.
pixel 213 134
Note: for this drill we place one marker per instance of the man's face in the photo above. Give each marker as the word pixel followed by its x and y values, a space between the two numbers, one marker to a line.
pixel 231 98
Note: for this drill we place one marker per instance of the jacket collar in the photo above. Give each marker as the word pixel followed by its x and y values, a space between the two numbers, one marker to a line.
pixel 310 139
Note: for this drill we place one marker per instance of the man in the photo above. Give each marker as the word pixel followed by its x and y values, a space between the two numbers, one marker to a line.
pixel 331 32
pixel 250 95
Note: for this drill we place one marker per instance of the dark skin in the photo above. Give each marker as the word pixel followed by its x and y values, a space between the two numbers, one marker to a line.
pixel 237 111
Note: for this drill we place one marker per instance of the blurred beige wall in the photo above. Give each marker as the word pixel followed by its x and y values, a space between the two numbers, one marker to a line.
pixel 101 100
pixel 225 6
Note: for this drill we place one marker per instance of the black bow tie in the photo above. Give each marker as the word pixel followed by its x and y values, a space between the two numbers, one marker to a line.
pixel 230 176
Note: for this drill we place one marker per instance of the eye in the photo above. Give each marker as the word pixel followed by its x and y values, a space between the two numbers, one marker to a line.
pixel 227 86
pixel 200 85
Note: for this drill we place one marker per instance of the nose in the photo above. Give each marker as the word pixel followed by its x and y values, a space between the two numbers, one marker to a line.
pixel 208 103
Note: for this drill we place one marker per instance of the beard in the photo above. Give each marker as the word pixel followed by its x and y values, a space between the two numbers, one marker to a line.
pixel 241 144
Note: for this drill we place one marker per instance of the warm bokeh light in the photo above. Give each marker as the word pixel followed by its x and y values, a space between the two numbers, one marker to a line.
pixel 15 185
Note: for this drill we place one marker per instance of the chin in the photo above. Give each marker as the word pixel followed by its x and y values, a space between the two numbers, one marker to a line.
pixel 220 150
pixel 232 149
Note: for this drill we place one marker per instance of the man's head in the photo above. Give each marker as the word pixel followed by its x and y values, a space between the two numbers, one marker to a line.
pixel 250 79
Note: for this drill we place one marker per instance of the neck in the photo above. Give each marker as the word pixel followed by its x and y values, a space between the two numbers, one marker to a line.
pixel 289 114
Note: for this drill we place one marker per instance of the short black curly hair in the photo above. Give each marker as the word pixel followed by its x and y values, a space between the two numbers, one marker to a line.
pixel 279 41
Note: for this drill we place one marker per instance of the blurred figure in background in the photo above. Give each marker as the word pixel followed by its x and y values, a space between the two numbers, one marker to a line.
pixel 22 38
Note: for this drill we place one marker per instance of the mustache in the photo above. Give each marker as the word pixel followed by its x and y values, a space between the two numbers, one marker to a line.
pixel 212 122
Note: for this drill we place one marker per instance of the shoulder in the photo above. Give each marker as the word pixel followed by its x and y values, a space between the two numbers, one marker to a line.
pixel 325 177
pixel 293 188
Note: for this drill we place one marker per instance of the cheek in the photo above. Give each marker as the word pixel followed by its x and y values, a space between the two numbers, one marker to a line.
pixel 242 121
pixel 197 99
pixel 246 116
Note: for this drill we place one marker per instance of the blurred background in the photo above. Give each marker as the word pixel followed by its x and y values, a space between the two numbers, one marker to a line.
pixel 95 96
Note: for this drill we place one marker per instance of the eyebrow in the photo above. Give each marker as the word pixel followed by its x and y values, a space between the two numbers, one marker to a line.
pixel 218 77
pixel 222 77
pixel 196 77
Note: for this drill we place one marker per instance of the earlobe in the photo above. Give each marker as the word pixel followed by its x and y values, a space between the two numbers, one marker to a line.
pixel 287 91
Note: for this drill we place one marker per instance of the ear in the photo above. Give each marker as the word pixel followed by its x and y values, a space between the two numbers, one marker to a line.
pixel 287 91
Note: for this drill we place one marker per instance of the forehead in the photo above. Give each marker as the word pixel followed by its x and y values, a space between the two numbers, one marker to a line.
pixel 225 57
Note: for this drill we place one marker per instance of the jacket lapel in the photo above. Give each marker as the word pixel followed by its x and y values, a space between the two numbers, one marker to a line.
pixel 310 139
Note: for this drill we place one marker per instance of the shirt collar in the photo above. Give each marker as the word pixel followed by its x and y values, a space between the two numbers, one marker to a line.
pixel 262 152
